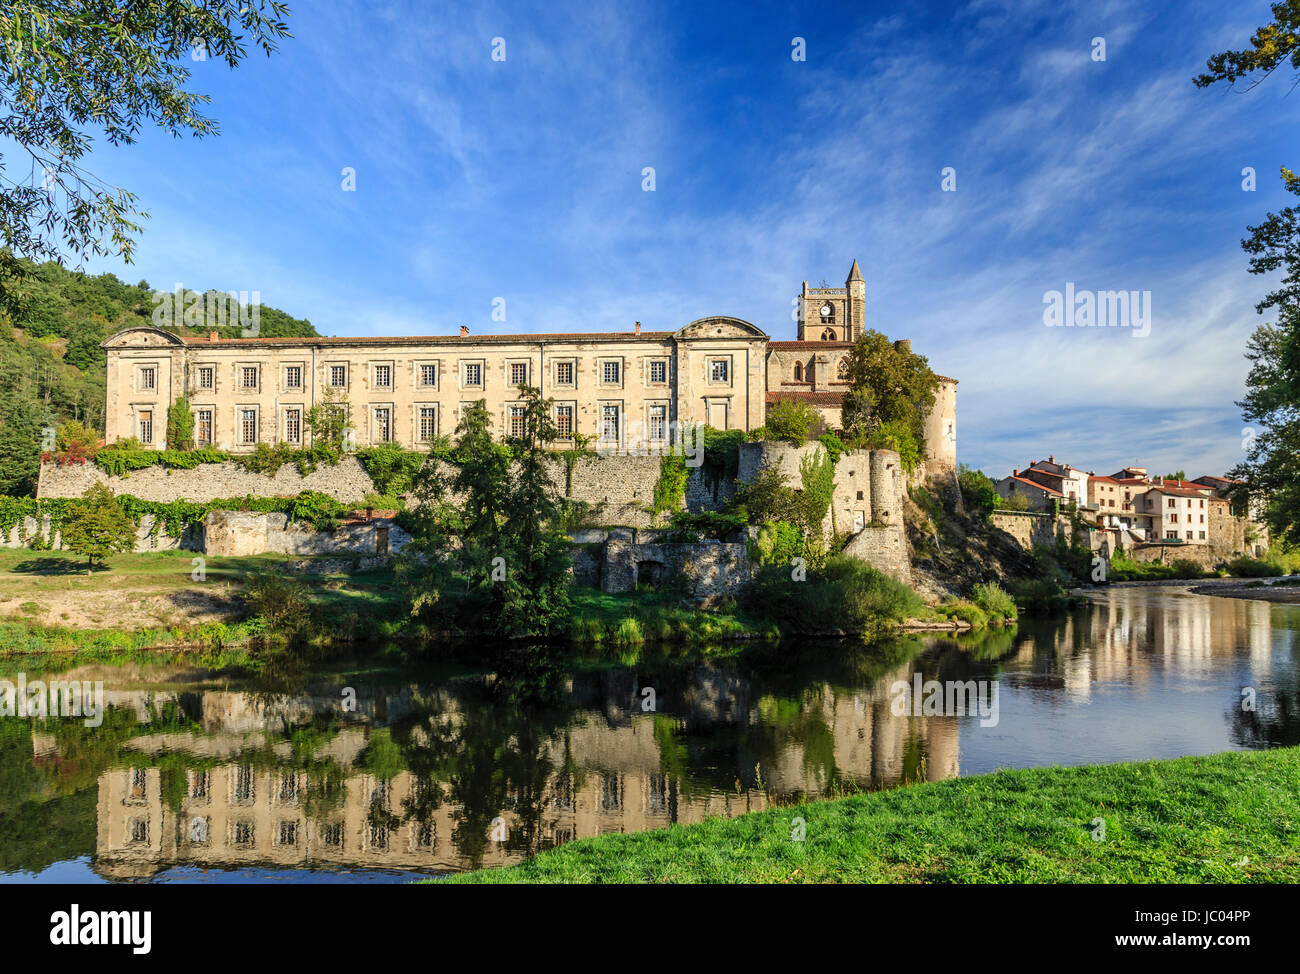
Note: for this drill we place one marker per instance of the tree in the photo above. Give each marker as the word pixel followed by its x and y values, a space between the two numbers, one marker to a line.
pixel 180 425
pixel 889 383
pixel 792 421
pixel 1271 470
pixel 330 420
pixel 98 527
pixel 70 65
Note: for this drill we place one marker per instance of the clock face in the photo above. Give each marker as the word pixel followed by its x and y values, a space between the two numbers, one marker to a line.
pixel 826 310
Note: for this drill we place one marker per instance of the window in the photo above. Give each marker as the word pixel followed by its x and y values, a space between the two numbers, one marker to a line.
pixel 1173 518
pixel 564 421
pixel 658 372
pixel 243 783
pixel 609 423
pixel 139 784
pixel 720 370
pixel 1202 535
pixel 203 427
pixel 518 373
pixel 473 373
pixel 610 372
pixel 248 426
pixel 842 370
pixel 798 371
pixel 338 376
pixel 293 377
pixel 424 836
pixel 148 378
pixel 828 335
pixel 139 830
pixel 248 377
pixel 146 426
pixel 288 833
pixel 516 426
pixel 383 376
pixel 564 373
pixel 428 375
pixel 207 376
pixel 332 834
pixel 658 423
pixel 293 425
pixel 1172 502
pixel 199 783
pixel 241 833
pixel 428 423
pixel 383 424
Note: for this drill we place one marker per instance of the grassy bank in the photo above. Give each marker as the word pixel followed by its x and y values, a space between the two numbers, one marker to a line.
pixel 1228 818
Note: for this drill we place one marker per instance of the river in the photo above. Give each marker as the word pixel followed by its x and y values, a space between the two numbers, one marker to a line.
pixel 386 770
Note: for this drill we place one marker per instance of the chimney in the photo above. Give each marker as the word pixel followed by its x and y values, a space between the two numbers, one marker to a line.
pixel 1016 472
pixel 464 331
pixel 638 327
pixel 213 336
pixel 1051 458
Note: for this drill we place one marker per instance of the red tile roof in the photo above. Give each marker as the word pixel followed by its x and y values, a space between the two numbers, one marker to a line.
pixel 1030 483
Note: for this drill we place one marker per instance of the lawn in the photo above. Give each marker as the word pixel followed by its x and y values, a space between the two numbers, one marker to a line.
pixel 1227 818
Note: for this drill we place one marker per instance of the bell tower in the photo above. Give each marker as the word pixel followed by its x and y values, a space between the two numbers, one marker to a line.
pixel 834 314
pixel 855 318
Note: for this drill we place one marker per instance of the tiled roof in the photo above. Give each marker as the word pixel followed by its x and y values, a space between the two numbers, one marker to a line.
pixel 574 336
pixel 1030 483
pixel 812 398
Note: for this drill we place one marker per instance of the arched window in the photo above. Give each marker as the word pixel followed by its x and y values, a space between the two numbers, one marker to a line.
pixel 842 370
pixel 798 371
pixel 828 335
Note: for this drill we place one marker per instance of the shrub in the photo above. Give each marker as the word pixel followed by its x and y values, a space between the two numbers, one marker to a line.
pixel 791 421
pixel 279 600
pixel 1186 568
pixel 995 600
pixel 1254 568
pixel 977 492
pixel 99 527
pixel 845 593
pixel 968 612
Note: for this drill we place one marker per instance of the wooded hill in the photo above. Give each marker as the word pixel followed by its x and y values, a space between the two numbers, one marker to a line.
pixel 51 365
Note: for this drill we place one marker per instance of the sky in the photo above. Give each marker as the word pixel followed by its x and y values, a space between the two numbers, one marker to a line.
pixel 523 179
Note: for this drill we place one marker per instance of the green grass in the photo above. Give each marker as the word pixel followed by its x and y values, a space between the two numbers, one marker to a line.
pixel 629 619
pixel 1228 818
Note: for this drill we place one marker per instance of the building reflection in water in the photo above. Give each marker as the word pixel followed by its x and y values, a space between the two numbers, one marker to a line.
pixel 450 775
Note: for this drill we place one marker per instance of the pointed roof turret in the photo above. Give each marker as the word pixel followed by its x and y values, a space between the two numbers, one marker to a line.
pixel 855 273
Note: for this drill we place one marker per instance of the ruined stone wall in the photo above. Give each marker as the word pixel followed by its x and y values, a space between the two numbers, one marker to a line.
pixel 884 548
pixel 712 570
pixel 248 533
pixel 146 539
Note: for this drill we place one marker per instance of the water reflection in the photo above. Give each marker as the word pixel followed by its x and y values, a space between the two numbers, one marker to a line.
pixel 431 771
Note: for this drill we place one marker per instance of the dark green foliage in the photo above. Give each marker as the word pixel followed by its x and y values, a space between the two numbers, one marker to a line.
pixel 792 421
pixel 99 527
pixel 692 526
pixel 978 494
pixel 890 387
pixel 391 467
pixel 180 425
pixel 845 593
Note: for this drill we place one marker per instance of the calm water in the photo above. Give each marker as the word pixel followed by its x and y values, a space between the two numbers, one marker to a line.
pixel 199 779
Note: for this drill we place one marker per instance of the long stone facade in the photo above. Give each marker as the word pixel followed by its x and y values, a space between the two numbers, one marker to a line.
pixel 626 391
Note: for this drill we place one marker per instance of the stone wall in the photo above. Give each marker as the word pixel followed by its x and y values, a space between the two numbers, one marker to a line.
pixel 346 481
pixel 1028 527
pixel 248 533
pixel 884 549
pixel 146 538
pixel 712 570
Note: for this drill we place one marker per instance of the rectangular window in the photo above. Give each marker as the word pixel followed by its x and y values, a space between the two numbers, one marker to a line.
pixel 564 421
pixel 658 423
pixel 203 427
pixel 248 425
pixel 428 375
pixel 719 370
pixel 609 424
pixel 293 425
pixel 609 373
pixel 332 834
pixel 244 783
pixel 383 376
pixel 207 376
pixel 473 374
pixel 518 373
pixel 293 377
pixel 428 423
pixel 516 420
pixel 383 425
pixel 248 377
pixel 146 426
pixel 338 376
pixel 658 372
pixel 564 373
pixel 148 378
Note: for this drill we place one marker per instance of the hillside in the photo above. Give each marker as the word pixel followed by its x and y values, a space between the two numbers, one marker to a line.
pixel 51 365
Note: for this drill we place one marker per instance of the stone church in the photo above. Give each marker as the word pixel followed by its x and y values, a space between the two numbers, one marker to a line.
pixel 625 390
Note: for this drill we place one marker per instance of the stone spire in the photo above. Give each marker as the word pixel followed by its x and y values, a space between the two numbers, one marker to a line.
pixel 855 273
pixel 856 304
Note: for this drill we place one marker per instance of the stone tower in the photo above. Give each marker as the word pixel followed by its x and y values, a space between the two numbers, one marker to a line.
pixel 834 314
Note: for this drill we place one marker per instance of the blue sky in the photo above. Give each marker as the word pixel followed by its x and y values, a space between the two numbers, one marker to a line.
pixel 522 179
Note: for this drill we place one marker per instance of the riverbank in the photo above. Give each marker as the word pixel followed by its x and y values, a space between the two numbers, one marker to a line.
pixel 175 601
pixel 1227 818
pixel 1285 590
